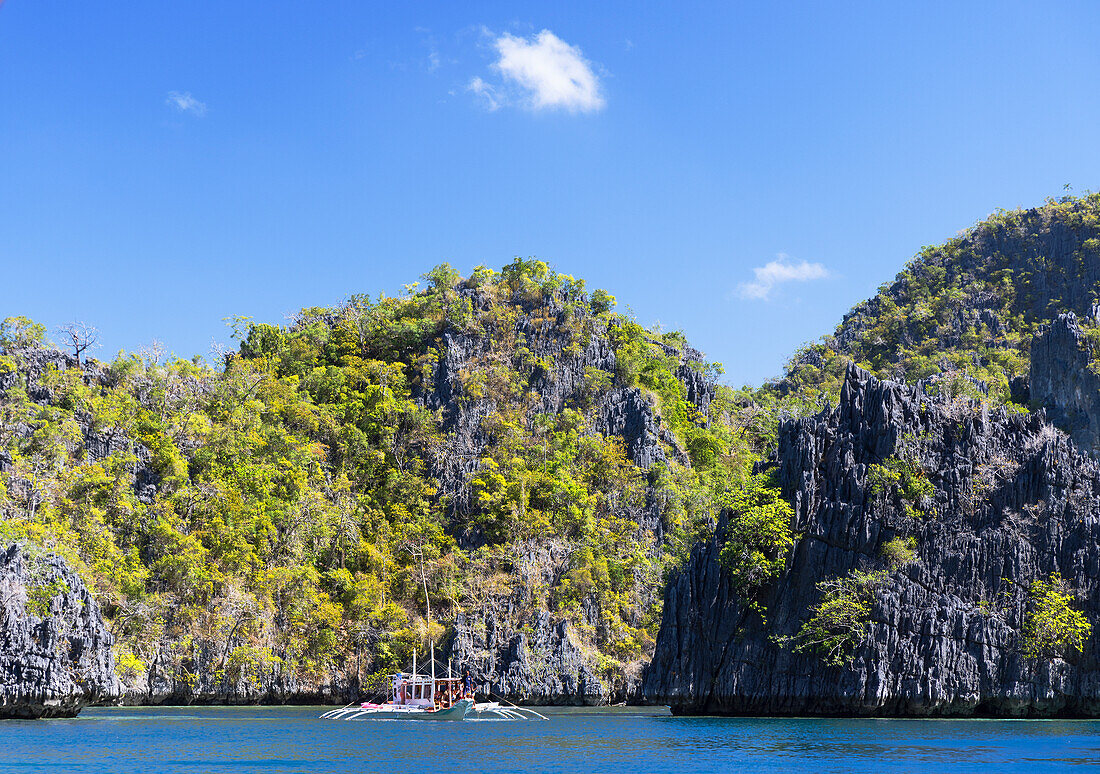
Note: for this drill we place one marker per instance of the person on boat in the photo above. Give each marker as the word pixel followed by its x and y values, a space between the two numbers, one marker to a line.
pixel 467 684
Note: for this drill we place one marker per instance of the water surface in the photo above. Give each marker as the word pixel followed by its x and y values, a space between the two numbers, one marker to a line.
pixel 293 739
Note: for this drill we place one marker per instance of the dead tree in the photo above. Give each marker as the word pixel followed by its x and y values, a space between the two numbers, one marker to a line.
pixel 79 337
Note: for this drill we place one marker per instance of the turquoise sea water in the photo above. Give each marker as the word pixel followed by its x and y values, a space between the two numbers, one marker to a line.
pixel 292 739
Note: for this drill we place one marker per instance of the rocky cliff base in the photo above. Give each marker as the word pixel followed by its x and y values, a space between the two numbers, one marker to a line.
pixel 55 651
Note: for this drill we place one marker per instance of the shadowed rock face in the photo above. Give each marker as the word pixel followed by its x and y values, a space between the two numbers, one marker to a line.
pixel 1014 501
pixel 55 651
pixel 1063 383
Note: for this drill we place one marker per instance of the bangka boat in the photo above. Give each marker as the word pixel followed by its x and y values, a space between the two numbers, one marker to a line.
pixel 425 697
pixel 413 696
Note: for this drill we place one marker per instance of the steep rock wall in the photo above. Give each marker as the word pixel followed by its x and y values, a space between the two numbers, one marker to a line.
pixel 55 651
pixel 1014 501
pixel 1063 383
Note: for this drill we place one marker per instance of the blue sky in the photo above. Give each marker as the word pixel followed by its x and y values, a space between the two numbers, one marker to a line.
pixel 166 165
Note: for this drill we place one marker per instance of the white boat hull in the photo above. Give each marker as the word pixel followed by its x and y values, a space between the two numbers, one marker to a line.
pixel 402 712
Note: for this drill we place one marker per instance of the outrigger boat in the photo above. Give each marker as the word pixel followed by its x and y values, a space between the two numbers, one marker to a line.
pixel 427 697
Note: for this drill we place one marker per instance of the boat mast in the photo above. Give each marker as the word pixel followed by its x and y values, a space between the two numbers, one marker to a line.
pixel 432 697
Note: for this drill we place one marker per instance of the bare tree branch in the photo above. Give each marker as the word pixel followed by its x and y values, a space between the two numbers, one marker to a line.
pixel 79 336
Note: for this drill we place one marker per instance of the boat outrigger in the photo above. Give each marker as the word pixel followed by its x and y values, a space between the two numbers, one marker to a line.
pixel 427 697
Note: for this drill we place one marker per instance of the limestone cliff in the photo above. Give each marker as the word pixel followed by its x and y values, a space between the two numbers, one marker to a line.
pixel 55 651
pixel 1014 501
pixel 256 527
pixel 1063 382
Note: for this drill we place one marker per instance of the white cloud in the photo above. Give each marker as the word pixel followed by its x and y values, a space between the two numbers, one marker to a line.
pixel 185 103
pixel 541 73
pixel 776 273
pixel 485 92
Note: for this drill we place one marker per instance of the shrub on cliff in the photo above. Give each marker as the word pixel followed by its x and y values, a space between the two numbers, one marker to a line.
pixel 898 552
pixel 758 533
pixel 1052 627
pixel 901 478
pixel 839 621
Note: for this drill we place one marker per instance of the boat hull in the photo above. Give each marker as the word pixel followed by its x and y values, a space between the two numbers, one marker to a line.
pixel 388 712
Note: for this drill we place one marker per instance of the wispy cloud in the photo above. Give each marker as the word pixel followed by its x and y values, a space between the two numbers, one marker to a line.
pixel 540 73
pixel 183 102
pixel 485 92
pixel 776 272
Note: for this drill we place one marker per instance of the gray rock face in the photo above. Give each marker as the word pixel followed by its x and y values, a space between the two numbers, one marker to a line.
pixel 1014 501
pixel 526 658
pixel 626 413
pixel 205 674
pixel 1063 383
pixel 542 665
pixel 55 651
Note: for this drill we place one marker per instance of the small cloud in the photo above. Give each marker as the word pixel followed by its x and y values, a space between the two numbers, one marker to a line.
pixel 429 41
pixel 485 92
pixel 776 273
pixel 542 73
pixel 185 103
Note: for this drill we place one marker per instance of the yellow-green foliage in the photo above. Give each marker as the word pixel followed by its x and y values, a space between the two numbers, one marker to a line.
pixel 1052 627
pixel 128 666
pixel 898 552
pixel 758 533
pixel 839 622
pixel 249 663
pixel 926 321
pixel 295 513
pixel 902 477
pixel 40 595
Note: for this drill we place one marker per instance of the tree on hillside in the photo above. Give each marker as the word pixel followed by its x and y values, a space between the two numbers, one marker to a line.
pixel 79 337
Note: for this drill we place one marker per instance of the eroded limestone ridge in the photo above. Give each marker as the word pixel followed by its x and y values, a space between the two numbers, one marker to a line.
pixel 1012 501
pixel 55 651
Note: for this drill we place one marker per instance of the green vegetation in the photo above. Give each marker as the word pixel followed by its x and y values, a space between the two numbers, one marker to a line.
pixel 758 534
pixel 304 501
pixel 838 623
pixel 901 481
pixel 840 620
pixel 969 307
pixel 1052 627
pixel 40 596
pixel 901 478
pixel 898 552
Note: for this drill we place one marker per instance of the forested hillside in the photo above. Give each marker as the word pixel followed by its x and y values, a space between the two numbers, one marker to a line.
pixel 505 448
pixel 970 306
